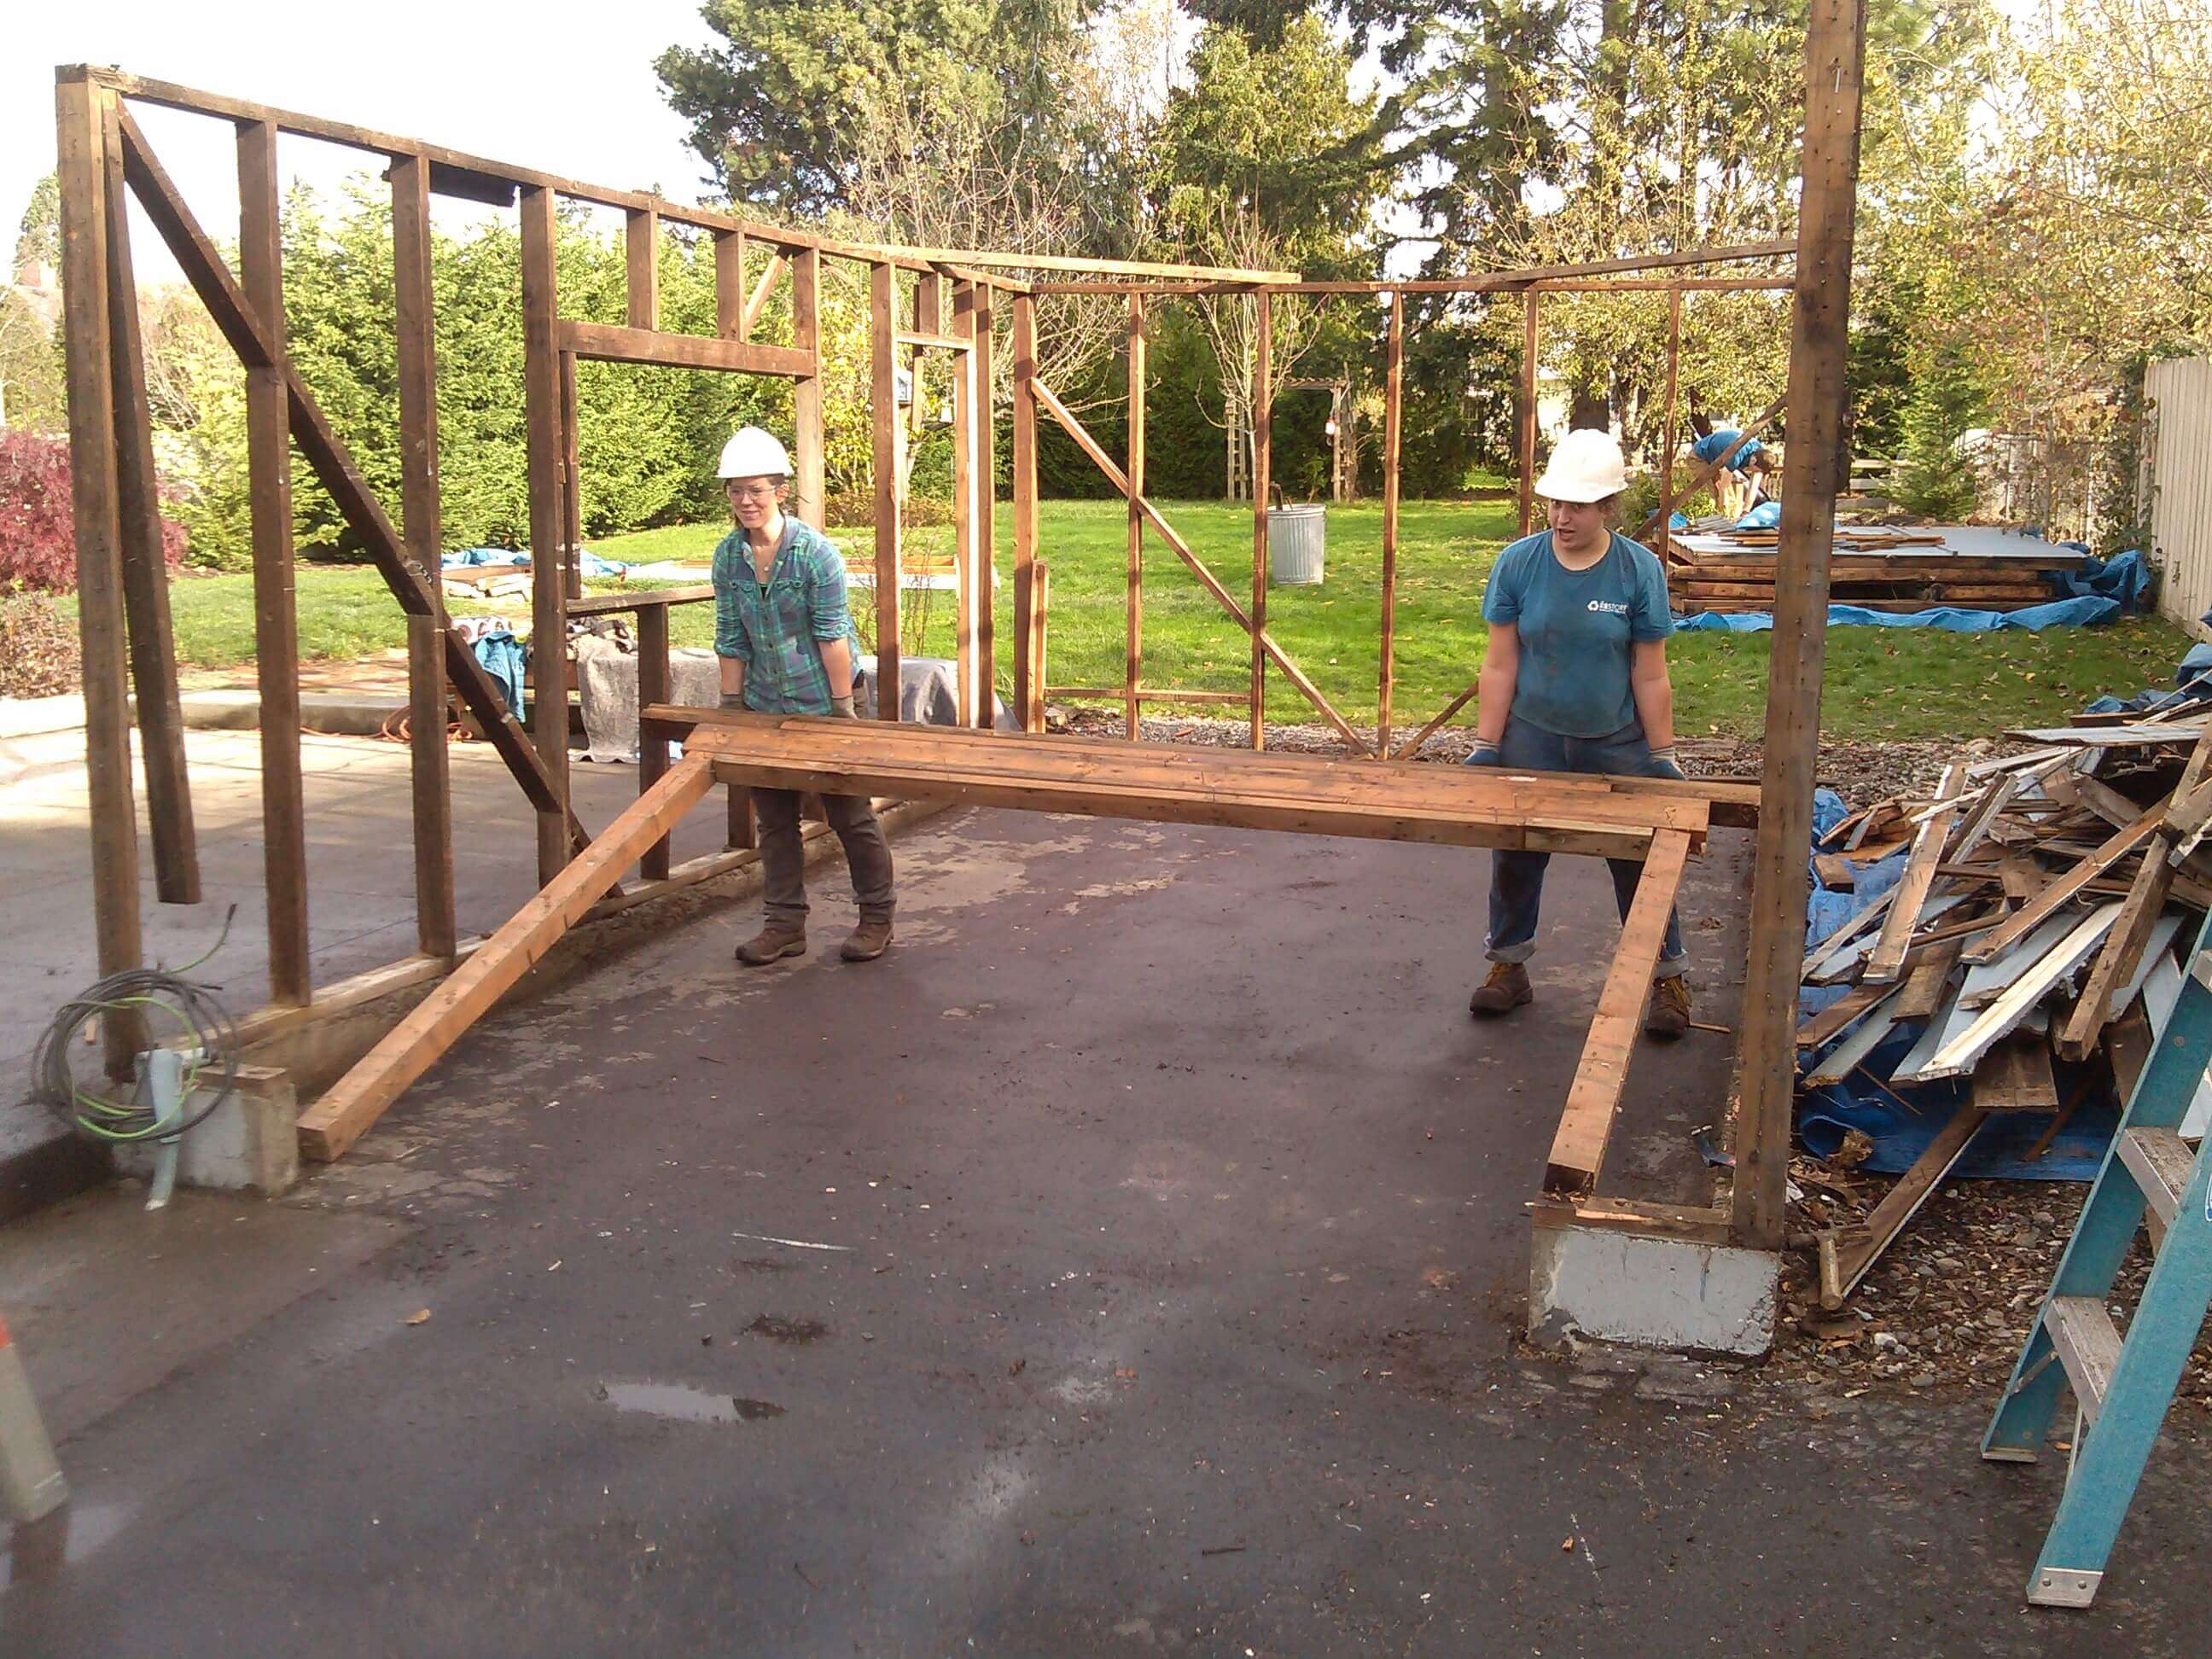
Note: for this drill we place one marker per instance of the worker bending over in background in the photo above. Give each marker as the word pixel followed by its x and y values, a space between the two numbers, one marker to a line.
pixel 1575 680
pixel 1741 485
pixel 787 646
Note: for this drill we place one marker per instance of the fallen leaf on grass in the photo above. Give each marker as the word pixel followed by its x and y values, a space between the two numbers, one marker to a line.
pixel 416 1317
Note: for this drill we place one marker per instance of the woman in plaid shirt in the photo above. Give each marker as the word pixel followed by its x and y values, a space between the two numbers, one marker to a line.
pixel 787 646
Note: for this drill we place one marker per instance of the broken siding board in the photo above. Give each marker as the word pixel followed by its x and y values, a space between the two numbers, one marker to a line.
pixel 1887 960
pixel 1988 981
pixel 1948 1021
pixel 2121 954
pixel 1594 1099
pixel 2031 914
pixel 1821 1027
pixel 2141 735
pixel 1846 1056
pixel 2011 1010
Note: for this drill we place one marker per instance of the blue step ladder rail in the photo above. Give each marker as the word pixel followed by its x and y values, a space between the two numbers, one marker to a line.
pixel 2122 1386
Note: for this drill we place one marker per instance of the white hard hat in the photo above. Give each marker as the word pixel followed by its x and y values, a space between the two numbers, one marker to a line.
pixel 1586 467
pixel 753 454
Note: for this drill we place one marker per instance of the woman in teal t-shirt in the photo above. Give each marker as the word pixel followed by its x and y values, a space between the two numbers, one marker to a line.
pixel 1574 680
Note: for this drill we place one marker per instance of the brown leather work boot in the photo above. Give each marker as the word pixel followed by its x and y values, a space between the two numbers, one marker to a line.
pixel 1506 989
pixel 869 940
pixel 775 940
pixel 1668 1015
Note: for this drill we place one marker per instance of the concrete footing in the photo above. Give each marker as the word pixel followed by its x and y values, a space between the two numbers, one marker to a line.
pixel 1650 1292
pixel 251 1142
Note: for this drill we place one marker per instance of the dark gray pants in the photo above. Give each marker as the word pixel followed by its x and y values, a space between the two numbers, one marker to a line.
pixel 783 857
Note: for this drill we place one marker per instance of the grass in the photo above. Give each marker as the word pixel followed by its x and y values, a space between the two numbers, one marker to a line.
pixel 1880 682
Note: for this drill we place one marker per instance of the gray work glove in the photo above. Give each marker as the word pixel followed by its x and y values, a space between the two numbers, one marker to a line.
pixel 841 709
pixel 733 700
pixel 1665 764
pixel 1485 754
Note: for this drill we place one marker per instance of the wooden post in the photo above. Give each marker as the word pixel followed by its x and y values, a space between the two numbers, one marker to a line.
pixel 730 284
pixel 882 323
pixel 1835 47
pixel 1263 425
pixel 1393 400
pixel 549 611
pixel 1029 695
pixel 968 567
pixel 572 486
pixel 276 623
pixel 806 393
pixel 642 266
pixel 145 571
pixel 986 460
pixel 1134 604
pixel 1527 444
pixel 1668 442
pixel 429 771
pixel 79 108
pixel 652 676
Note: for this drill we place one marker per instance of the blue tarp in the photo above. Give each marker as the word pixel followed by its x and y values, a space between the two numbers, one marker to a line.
pixel 2059 613
pixel 2123 577
pixel 1767 515
pixel 588 562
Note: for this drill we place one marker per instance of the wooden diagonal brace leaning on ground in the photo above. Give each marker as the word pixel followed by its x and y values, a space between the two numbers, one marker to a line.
pixel 344 1113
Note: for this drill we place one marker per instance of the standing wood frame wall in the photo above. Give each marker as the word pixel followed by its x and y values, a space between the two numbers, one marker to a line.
pixel 123 606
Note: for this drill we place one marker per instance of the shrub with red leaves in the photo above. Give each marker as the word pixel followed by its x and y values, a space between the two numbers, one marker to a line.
pixel 38 538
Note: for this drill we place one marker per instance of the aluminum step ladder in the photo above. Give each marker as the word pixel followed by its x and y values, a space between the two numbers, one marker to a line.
pixel 2122 1385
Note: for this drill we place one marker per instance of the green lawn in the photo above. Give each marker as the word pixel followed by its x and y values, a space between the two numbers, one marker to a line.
pixel 1880 682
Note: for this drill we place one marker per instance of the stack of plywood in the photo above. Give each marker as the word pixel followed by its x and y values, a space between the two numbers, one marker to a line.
pixel 2044 899
pixel 1881 567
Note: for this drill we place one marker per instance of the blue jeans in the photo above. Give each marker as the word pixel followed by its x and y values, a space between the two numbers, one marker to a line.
pixel 1516 880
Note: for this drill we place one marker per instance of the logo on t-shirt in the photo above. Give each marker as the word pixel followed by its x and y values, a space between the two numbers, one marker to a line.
pixel 1608 607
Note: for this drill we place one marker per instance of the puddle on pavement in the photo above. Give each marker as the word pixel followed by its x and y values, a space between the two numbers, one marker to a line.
pixel 685 1405
pixel 793 1331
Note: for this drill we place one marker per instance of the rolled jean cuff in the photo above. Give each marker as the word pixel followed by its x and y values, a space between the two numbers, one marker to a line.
pixel 1521 952
pixel 1672 967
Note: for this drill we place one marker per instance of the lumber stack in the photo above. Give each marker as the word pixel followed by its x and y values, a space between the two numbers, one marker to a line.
pixel 1880 567
pixel 2043 900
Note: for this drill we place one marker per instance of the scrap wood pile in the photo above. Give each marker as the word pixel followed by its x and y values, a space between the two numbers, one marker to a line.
pixel 2028 948
pixel 1877 567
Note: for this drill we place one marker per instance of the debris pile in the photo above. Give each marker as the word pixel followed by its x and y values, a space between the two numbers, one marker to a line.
pixel 2015 938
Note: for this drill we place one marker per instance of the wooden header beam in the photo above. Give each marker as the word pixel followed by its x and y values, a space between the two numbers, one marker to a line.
pixel 610 344
pixel 1481 283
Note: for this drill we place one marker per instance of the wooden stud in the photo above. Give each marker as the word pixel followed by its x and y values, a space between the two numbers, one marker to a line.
pixel 548 620
pixel 653 674
pixel 641 267
pixel 730 285
pixel 1040 615
pixel 1394 415
pixel 1526 413
pixel 1263 385
pixel 2031 914
pixel 276 623
pixel 353 1104
pixel 145 570
pixel 807 392
pixel 1818 402
pixel 981 360
pixel 1028 694
pixel 429 770
pixel 1864 1246
pixel 572 486
pixel 884 410
pixel 79 110
pixel 1594 1098
pixel 1134 596
pixel 974 676
pixel 1668 442
pixel 928 323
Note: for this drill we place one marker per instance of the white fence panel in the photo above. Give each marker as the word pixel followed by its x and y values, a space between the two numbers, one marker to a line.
pixel 2179 394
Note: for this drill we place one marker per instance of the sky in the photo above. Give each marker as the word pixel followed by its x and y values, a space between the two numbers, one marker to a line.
pixel 560 89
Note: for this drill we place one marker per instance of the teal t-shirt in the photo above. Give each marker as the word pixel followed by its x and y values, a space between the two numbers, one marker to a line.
pixel 1575 628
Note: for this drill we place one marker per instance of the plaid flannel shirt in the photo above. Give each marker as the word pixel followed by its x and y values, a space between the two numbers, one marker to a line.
pixel 778 631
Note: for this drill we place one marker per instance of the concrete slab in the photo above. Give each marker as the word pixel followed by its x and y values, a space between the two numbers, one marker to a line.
pixel 1131 1261
pixel 1651 1292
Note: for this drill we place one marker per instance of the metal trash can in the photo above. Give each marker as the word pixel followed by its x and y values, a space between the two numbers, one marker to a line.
pixel 1296 535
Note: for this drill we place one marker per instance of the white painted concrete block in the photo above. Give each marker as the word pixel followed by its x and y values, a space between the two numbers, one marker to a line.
pixel 1651 1292
pixel 250 1142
